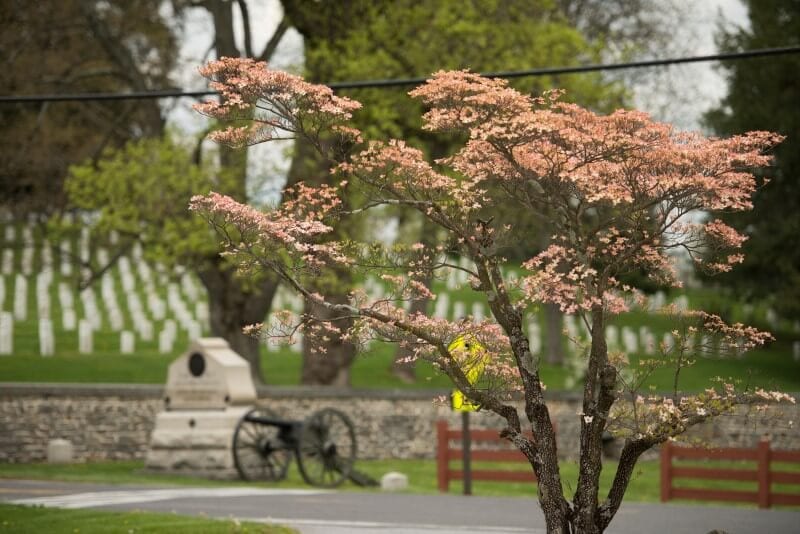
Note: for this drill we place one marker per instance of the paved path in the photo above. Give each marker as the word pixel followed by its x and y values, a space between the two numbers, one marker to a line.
pixel 327 512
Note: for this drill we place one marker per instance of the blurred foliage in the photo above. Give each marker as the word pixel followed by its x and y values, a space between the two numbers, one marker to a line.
pixel 74 46
pixel 763 94
pixel 142 191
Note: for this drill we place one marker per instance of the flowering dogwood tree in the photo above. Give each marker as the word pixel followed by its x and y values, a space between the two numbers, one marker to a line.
pixel 617 190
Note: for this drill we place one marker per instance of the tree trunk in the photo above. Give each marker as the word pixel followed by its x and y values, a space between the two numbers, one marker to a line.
pixel 598 396
pixel 233 306
pixel 327 363
pixel 554 346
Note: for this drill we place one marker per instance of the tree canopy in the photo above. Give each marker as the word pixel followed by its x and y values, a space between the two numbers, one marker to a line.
pixel 616 190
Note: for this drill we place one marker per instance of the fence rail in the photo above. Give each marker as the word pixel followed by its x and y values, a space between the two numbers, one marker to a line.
pixel 763 474
pixel 445 454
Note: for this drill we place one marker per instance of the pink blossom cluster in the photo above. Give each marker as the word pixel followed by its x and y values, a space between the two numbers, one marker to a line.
pixel 271 101
pixel 295 227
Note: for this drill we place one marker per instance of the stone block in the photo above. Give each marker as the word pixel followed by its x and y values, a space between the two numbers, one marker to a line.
pixel 394 481
pixel 60 451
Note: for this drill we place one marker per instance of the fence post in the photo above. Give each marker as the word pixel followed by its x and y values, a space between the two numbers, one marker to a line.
pixel 763 473
pixel 666 471
pixel 442 456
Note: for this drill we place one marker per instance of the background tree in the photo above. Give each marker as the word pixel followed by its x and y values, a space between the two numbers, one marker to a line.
pixel 617 190
pixel 74 46
pixel 763 94
pixel 114 189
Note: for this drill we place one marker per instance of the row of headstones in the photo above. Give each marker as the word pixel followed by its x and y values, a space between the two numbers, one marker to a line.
pixel 457 277
pixel 142 325
pixel 47 340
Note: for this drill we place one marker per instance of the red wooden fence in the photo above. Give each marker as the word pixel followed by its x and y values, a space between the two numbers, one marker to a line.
pixel 763 474
pixel 444 454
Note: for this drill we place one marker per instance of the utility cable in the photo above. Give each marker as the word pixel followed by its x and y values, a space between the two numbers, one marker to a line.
pixel 402 82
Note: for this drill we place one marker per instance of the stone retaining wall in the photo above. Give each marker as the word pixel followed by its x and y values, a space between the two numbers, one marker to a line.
pixel 107 422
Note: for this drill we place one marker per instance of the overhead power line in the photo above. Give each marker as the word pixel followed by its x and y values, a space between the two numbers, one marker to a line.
pixel 402 82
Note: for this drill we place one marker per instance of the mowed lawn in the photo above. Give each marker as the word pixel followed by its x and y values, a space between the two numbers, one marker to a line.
pixel 38 520
pixel 772 368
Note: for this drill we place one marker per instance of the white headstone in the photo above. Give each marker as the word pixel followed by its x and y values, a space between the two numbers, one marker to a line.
pixel 90 308
pixel 46 341
pixel 772 318
pixel 126 340
pixel 47 255
pixel 612 336
pixel 535 336
pixel 171 327
pixel 68 319
pixel 85 335
pixel 6 333
pixel 629 340
pixel 113 237
pixel 145 329
pixel 452 280
pixel 65 297
pixel 477 311
pixel 26 263
pixel 647 340
pixel 115 319
pixel 128 281
pixel 442 305
pixel 8 262
pixel 459 310
pixel 189 288
pixel 796 351
pixel 20 298
pixel 83 245
pixel 201 312
pixel 166 340
pixel 102 256
pixel 193 331
pixel 27 234
pixel 297 346
pixel 2 292
pixel 9 233
pixel 571 326
pixel 43 281
pixel 669 342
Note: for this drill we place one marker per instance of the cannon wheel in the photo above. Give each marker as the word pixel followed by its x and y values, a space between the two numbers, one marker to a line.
pixel 327 448
pixel 258 452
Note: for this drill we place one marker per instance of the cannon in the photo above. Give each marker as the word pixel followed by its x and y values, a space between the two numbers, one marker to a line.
pixel 324 446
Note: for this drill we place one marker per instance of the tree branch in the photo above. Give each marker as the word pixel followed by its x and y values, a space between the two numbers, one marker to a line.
pixel 248 38
pixel 274 41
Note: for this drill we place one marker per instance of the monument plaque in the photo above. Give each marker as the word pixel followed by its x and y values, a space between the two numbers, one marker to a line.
pixel 209 376
pixel 208 390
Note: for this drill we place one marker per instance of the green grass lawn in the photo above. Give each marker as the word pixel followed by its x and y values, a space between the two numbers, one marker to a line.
pixel 36 520
pixel 772 368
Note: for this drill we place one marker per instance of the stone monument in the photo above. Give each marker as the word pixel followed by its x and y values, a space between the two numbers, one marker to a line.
pixel 208 390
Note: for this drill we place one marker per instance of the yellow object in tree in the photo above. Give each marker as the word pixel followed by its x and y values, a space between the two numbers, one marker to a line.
pixel 472 358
